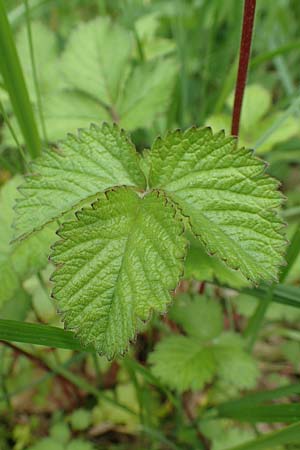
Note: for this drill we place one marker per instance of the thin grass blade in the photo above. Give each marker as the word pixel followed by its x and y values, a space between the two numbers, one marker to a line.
pixel 14 82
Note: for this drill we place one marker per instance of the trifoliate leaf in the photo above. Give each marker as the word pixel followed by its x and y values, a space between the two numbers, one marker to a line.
pixel 109 84
pixel 182 363
pixel 199 317
pixel 132 96
pixel 20 260
pixel 80 167
pixel 187 363
pixel 116 264
pixel 231 204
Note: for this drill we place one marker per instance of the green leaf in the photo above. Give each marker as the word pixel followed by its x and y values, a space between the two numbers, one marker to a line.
pixel 235 366
pixel 18 261
pixel 203 267
pixel 231 204
pixel 146 27
pixel 109 84
pixel 47 444
pixel 60 432
pixel 117 263
pixel 133 96
pixel 80 419
pixel 147 94
pixel 256 103
pixel 199 317
pixel 99 51
pixel 45 54
pixel 79 444
pixel 79 168
pixel 231 436
pixel 182 363
pixel 257 121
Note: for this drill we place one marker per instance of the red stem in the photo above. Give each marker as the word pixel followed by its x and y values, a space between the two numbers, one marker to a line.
pixel 245 48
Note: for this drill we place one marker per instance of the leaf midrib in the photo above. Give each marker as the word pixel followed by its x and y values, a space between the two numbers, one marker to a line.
pixel 123 258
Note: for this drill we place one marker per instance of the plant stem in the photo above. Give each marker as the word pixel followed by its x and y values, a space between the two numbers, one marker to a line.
pixel 256 321
pixel 34 71
pixel 12 132
pixel 246 39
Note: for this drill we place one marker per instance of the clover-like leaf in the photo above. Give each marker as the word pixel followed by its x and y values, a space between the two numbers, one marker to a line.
pixel 132 94
pixel 80 167
pixel 116 264
pixel 231 204
pixel 184 362
pixel 181 363
pixel 109 84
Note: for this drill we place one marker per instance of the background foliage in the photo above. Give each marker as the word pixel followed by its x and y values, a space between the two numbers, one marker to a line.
pixel 222 370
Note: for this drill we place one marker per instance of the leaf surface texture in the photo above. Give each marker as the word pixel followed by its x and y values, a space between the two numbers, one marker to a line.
pixel 116 264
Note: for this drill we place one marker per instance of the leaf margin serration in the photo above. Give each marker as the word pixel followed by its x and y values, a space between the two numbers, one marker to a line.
pixel 34 173
pixel 278 222
pixel 171 291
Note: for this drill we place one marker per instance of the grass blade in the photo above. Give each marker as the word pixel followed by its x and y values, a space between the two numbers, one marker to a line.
pixel 256 321
pixel 11 71
pixel 292 254
pixel 34 71
pixel 16 15
pixel 268 56
pixel 33 333
pixel 288 435
pixel 286 295
pixel 261 413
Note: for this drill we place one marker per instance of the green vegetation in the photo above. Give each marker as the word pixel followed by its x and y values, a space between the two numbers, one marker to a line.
pixel 149 278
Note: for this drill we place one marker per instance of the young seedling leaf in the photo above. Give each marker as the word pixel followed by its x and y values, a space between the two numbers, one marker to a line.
pixel 182 363
pixel 115 264
pixel 80 167
pixel 231 204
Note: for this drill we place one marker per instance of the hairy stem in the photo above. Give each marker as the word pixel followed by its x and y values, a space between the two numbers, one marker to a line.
pixel 246 39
